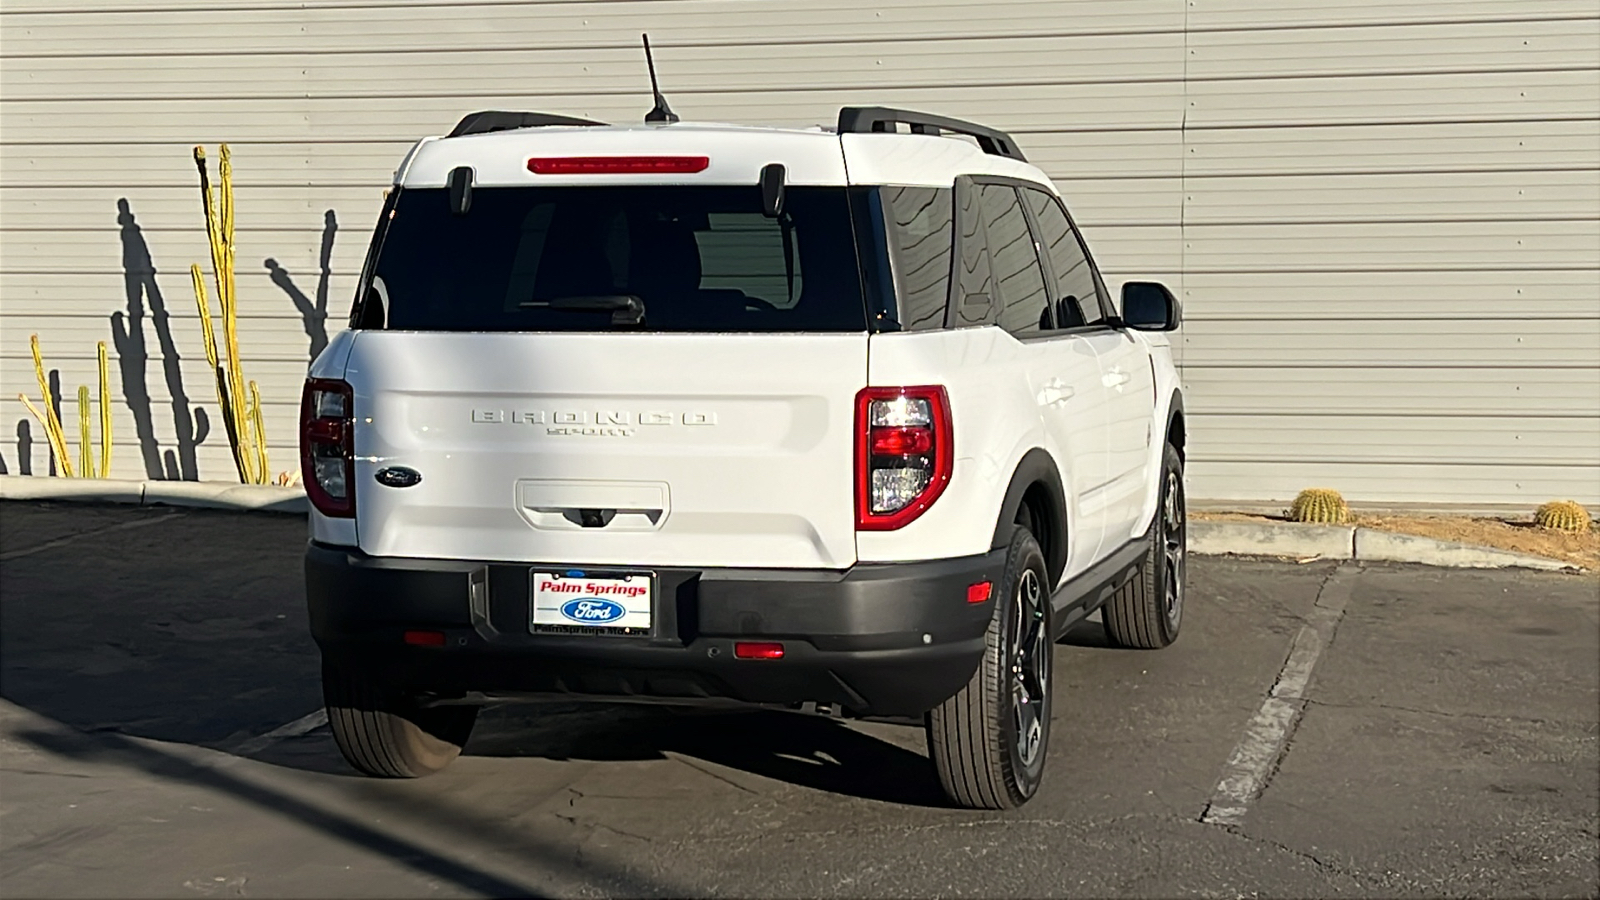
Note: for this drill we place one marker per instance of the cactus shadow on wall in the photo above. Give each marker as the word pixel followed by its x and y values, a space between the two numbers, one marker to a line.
pixel 24 447
pixel 314 313
pixel 128 335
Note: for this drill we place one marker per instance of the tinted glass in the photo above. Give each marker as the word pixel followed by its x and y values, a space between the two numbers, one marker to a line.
pixel 696 258
pixel 1078 304
pixel 974 297
pixel 1025 308
pixel 921 229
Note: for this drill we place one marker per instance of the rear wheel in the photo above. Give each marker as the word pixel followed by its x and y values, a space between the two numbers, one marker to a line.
pixel 1146 612
pixel 383 732
pixel 988 742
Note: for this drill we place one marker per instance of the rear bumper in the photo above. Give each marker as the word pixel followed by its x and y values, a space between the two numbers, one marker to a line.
pixel 874 639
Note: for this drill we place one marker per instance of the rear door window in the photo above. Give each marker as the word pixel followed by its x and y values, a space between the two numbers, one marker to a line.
pixel 974 299
pixel 569 259
pixel 1024 305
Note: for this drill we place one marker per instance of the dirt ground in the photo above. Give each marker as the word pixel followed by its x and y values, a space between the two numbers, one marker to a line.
pixel 1520 536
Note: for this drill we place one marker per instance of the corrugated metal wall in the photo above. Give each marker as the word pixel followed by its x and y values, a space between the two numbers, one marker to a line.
pixel 1383 215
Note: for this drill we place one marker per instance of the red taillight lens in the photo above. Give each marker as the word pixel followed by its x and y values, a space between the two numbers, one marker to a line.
pixel 902 441
pixel 327 454
pixel 979 593
pixel 904 455
pixel 425 638
pixel 758 650
pixel 618 165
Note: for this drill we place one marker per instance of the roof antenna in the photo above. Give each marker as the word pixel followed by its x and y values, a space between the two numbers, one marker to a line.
pixel 661 112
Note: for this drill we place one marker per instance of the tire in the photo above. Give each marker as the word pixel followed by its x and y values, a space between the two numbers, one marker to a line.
pixel 382 733
pixel 1147 612
pixel 989 742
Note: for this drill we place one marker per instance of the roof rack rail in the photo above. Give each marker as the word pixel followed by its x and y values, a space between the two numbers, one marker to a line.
pixel 869 119
pixel 501 120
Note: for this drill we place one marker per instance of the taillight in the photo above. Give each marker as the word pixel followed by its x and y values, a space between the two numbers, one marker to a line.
pixel 327 452
pixel 903 454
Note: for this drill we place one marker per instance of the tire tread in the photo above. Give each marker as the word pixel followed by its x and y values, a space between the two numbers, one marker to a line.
pixel 964 736
pixel 1133 616
pixel 377 738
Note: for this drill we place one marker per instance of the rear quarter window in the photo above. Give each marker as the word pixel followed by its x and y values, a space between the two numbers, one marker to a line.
pixel 922 236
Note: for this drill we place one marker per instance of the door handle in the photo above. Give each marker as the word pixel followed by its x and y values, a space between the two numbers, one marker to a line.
pixel 1055 393
pixel 1115 378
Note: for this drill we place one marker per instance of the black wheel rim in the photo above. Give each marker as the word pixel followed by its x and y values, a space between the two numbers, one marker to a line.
pixel 1173 521
pixel 1030 667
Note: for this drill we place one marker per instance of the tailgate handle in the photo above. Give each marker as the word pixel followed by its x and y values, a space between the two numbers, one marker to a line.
pixel 564 517
pixel 574 505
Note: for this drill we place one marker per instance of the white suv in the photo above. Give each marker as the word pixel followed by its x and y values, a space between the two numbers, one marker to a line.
pixel 833 420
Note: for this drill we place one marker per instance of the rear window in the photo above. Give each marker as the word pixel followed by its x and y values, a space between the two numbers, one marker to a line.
pixel 650 258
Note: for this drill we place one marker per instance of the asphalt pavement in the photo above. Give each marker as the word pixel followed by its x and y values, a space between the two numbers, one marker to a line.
pixel 1372 730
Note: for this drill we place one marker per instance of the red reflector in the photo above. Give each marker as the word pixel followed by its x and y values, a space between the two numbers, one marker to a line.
pixel 325 431
pixel 618 165
pixel 977 593
pixel 425 638
pixel 907 440
pixel 757 650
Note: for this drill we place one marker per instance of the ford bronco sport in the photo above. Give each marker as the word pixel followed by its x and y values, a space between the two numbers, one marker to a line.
pixel 837 420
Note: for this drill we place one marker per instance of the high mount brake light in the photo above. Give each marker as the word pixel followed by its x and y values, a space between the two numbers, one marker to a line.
pixel 327 452
pixel 904 454
pixel 618 165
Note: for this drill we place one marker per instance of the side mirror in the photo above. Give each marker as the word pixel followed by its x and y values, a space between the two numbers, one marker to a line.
pixel 1149 306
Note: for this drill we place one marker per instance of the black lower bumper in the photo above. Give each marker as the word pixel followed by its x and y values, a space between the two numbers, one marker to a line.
pixel 891 640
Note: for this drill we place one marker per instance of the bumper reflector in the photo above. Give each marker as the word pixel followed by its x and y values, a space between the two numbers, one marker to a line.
pixel 757 650
pixel 425 638
pixel 977 593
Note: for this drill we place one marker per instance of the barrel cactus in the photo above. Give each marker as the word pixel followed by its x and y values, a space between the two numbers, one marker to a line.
pixel 1321 505
pixel 1563 515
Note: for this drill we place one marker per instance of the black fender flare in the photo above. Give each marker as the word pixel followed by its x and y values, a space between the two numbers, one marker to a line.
pixel 1036 467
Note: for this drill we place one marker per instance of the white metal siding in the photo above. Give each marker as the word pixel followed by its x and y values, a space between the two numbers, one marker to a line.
pixel 1383 216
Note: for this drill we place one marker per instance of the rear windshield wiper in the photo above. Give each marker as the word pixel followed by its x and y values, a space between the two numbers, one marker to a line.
pixel 625 309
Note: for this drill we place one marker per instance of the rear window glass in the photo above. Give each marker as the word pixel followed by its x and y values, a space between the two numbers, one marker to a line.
pixel 651 258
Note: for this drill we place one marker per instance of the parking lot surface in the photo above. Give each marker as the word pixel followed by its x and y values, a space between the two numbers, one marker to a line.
pixel 158 737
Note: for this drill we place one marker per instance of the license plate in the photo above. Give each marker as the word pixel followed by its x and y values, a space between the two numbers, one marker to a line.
pixel 579 602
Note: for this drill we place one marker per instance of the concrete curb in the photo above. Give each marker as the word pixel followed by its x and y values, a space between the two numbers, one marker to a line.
pixel 1353 542
pixel 202 494
pixel 1205 537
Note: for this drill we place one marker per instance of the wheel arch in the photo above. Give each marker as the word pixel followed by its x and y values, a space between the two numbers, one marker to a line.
pixel 1177 433
pixel 1035 492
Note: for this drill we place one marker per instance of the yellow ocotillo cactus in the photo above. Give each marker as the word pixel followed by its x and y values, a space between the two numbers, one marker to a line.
pixel 105 411
pixel 85 445
pixel 48 419
pixel 246 429
pixel 51 422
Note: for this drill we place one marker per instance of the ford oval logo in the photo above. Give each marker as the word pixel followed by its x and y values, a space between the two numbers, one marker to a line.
pixel 398 476
pixel 592 611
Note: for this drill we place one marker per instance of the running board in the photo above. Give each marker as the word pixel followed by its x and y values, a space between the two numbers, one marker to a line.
pixel 1075 600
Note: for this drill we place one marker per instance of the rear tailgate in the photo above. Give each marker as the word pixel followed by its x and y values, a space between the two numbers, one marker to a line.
pixel 613 449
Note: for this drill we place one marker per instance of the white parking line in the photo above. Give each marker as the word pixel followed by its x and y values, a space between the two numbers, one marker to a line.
pixel 306 723
pixel 57 542
pixel 1256 755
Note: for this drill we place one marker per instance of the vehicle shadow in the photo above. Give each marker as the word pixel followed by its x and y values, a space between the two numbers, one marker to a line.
pixel 190 627
pixel 1086 634
pixel 809 750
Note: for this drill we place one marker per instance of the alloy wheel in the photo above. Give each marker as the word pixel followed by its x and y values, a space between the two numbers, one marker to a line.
pixel 1173 547
pixel 1030 667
